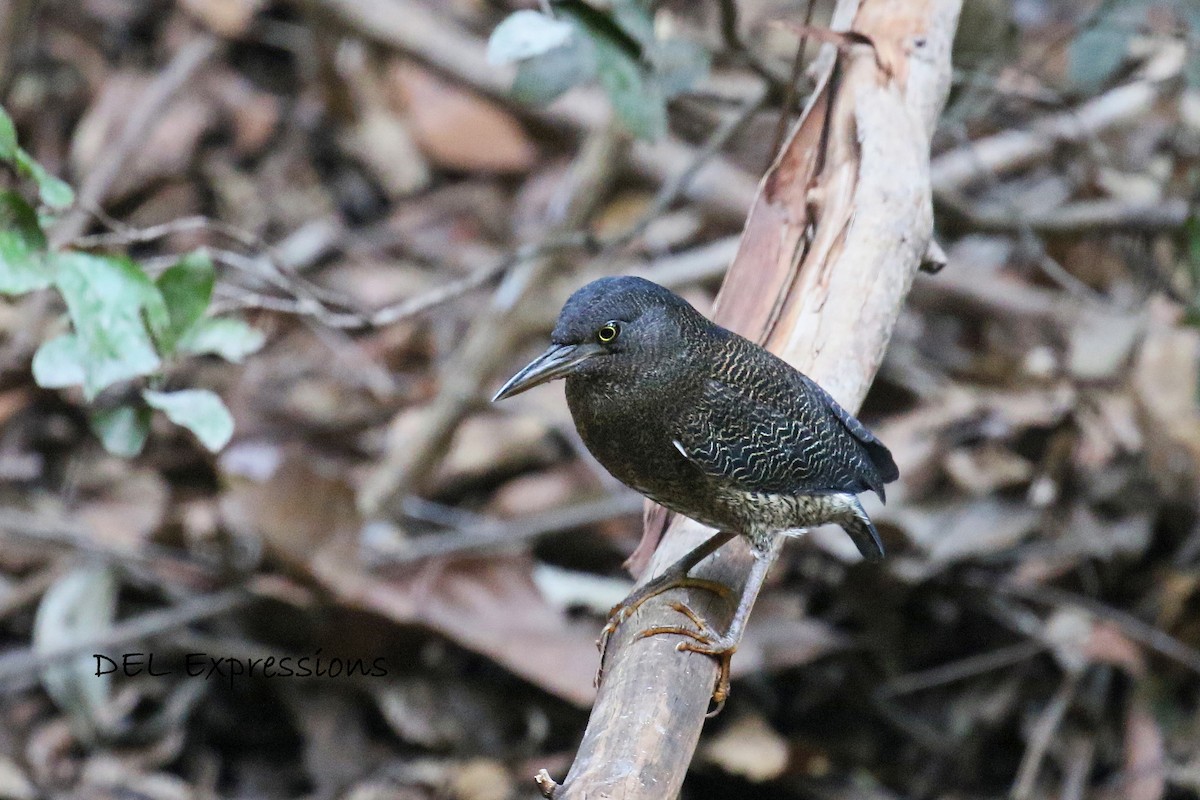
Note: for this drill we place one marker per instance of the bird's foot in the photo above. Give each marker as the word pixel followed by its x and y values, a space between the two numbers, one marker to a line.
pixel 625 609
pixel 704 640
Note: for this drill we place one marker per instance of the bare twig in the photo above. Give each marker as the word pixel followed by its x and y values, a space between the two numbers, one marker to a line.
pixel 1156 639
pixel 1014 149
pixel 1041 736
pixel 789 98
pixel 495 534
pixel 141 120
pixel 962 669
pixel 18 670
pixel 1082 217
pixel 545 784
pixel 490 336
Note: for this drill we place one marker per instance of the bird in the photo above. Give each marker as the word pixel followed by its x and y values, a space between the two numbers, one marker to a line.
pixel 711 426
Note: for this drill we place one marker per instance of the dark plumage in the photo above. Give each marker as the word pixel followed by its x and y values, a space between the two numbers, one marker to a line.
pixel 708 424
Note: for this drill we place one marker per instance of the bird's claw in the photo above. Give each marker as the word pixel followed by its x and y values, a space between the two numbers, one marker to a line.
pixel 705 642
pixel 625 609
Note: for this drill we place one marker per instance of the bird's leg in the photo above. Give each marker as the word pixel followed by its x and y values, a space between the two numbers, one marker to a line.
pixel 675 576
pixel 705 641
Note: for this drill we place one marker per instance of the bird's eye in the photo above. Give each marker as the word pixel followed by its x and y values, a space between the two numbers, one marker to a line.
pixel 609 332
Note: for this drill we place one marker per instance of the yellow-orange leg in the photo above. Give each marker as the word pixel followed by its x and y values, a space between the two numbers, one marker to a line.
pixel 704 639
pixel 675 576
pixel 709 645
pixel 625 609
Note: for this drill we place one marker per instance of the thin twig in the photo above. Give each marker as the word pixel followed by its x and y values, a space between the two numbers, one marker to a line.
pixel 511 533
pixel 1041 737
pixel 962 669
pixel 19 669
pixel 733 41
pixel 789 98
pixel 140 122
pixel 490 336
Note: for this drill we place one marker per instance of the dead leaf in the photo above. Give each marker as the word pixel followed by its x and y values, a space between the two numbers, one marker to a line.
pixel 300 506
pixel 380 140
pixel 987 468
pixel 490 606
pixel 749 748
pixel 481 779
pixel 1145 755
pixel 1165 376
pixel 123 507
pixel 457 129
pixel 229 18
pixel 168 149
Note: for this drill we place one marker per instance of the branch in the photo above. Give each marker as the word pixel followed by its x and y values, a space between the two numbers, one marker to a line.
pixel 838 230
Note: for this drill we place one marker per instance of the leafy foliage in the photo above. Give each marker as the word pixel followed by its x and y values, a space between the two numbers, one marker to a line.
pixel 124 326
pixel 618 49
pixel 1100 48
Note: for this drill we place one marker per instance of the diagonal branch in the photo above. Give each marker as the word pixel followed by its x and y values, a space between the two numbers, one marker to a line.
pixel 838 230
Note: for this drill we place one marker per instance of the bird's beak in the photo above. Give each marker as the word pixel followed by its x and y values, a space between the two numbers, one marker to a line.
pixel 556 362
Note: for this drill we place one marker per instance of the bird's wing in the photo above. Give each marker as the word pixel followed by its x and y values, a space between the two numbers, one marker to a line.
pixel 880 456
pixel 788 438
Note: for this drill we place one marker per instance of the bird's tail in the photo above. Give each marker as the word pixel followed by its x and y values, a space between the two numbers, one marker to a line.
pixel 856 523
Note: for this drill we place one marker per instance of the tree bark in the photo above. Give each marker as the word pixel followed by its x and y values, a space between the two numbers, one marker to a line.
pixel 840 225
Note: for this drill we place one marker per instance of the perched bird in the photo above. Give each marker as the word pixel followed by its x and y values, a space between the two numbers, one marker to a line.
pixel 711 426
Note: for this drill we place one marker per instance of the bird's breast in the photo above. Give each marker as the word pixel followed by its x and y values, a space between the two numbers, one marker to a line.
pixel 630 435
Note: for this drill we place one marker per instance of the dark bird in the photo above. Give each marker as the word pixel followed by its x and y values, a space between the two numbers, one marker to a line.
pixel 710 425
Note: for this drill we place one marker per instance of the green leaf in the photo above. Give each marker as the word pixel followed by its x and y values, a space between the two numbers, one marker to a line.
pixel 627 28
pixel 634 19
pixel 8 137
pixel 60 362
pixel 679 65
pixel 229 338
pixel 1096 54
pixel 525 34
pixel 122 430
pixel 186 289
pixel 198 410
pixel 52 191
pixel 77 607
pixel 105 296
pixel 637 99
pixel 23 263
pixel 545 77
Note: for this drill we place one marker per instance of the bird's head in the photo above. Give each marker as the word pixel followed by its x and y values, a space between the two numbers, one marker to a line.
pixel 610 328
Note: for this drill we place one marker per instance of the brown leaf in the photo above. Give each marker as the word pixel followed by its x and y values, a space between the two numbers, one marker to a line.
pixel 168 149
pixel 382 142
pixel 1165 377
pixel 460 130
pixel 749 748
pixel 303 508
pixel 123 507
pixel 490 606
pixel 298 505
pixel 1145 767
pixel 228 18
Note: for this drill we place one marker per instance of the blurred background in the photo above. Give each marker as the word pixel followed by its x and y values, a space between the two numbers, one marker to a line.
pixel 265 261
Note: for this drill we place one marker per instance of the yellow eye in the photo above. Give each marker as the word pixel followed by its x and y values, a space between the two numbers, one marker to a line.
pixel 608 333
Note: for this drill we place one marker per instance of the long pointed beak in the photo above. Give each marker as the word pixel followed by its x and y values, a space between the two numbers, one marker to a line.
pixel 556 362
